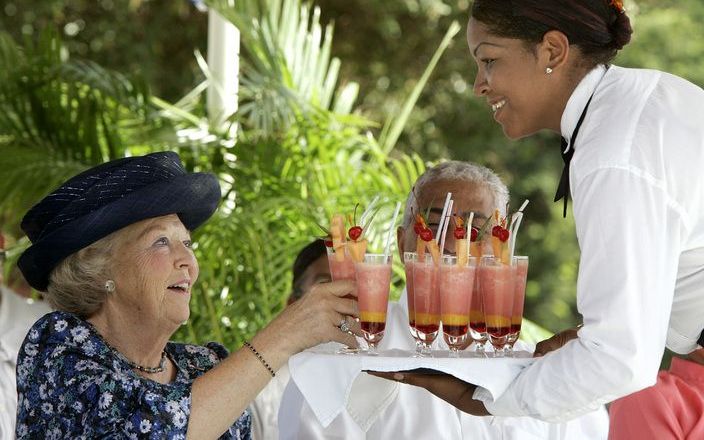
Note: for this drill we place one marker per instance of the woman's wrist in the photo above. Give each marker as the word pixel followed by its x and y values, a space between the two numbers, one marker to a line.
pixel 274 344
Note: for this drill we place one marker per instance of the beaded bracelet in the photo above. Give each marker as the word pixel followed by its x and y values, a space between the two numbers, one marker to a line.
pixel 261 358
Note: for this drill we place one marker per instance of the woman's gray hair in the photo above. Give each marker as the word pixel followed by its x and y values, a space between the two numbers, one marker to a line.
pixel 457 170
pixel 77 284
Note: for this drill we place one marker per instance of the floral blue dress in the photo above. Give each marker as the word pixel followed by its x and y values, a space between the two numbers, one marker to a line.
pixel 71 385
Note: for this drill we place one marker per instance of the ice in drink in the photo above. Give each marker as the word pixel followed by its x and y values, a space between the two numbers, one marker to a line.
pixel 496 282
pixel 426 301
pixel 373 283
pixel 456 284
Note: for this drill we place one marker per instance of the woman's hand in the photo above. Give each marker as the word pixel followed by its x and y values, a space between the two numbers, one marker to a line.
pixel 555 342
pixel 316 317
pixel 447 387
pixel 220 395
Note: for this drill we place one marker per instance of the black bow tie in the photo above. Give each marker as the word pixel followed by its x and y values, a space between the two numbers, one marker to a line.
pixel 563 188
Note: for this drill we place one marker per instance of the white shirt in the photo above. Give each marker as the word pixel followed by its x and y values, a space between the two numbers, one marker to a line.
pixel 638 191
pixel 16 317
pixel 415 413
pixel 265 407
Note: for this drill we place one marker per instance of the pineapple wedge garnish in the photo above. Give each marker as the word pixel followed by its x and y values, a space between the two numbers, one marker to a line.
pixel 337 230
pixel 357 249
pixel 496 246
pixel 420 249
pixel 475 249
pixel 461 251
pixel 434 250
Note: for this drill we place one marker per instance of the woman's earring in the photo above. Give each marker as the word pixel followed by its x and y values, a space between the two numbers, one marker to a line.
pixel 548 70
pixel 110 286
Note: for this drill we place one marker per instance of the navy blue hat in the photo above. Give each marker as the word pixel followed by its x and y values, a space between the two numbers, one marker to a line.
pixel 107 198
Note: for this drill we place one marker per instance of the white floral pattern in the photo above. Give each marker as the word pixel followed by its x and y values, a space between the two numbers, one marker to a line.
pixel 71 385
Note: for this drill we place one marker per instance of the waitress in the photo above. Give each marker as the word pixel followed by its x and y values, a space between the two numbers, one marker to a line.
pixel 633 146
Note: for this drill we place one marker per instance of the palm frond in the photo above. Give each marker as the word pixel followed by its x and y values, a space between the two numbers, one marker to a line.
pixel 395 123
pixel 59 116
pixel 288 70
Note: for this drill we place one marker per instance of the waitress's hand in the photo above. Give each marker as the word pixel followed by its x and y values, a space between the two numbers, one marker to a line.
pixel 447 387
pixel 554 342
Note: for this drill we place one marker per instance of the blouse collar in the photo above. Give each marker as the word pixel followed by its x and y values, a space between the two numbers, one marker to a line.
pixel 579 98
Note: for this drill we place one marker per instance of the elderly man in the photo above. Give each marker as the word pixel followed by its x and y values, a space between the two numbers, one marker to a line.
pixel 380 409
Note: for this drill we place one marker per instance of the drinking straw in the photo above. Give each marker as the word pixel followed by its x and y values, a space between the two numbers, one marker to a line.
pixel 442 217
pixel 444 229
pixel 468 232
pixel 391 231
pixel 366 212
pixel 516 220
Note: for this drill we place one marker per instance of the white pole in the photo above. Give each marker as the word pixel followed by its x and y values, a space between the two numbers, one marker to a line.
pixel 223 63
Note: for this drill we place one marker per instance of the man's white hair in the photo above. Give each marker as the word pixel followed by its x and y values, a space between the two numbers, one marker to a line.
pixel 457 170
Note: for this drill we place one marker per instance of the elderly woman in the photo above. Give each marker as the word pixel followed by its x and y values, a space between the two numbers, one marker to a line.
pixel 112 250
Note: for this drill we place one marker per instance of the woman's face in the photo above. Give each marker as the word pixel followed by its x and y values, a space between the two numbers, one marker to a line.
pixel 513 80
pixel 154 272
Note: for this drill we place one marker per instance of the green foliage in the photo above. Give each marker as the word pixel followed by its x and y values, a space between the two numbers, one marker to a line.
pixel 289 170
pixel 58 115
pixel 155 39
pixel 294 141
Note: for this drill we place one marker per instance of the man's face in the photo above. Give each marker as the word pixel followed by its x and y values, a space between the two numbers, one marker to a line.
pixel 317 272
pixel 467 198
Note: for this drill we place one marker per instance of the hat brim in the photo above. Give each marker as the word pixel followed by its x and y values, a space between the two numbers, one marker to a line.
pixel 193 197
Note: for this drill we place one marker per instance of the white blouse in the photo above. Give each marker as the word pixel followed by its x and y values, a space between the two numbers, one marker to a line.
pixel 638 191
pixel 17 315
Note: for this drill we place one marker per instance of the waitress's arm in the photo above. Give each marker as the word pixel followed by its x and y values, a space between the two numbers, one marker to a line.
pixel 629 232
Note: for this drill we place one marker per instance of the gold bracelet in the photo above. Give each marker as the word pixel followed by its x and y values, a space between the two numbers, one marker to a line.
pixel 261 358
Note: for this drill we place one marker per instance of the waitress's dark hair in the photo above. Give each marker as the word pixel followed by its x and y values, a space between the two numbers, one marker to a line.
pixel 600 28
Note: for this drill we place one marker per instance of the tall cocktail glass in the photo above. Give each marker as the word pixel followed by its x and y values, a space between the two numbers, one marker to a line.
pixel 519 296
pixel 341 264
pixel 496 282
pixel 409 260
pixel 456 284
pixel 477 322
pixel 426 301
pixel 342 268
pixel 373 283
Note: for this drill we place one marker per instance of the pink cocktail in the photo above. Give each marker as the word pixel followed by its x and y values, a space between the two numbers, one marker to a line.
pixel 519 296
pixel 477 322
pixel 496 282
pixel 426 301
pixel 341 264
pixel 456 284
pixel 373 283
pixel 409 260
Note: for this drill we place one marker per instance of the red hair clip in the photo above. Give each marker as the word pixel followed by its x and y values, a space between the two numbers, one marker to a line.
pixel 618 5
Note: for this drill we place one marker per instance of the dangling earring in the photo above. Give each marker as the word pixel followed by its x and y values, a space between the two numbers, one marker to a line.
pixel 110 286
pixel 548 71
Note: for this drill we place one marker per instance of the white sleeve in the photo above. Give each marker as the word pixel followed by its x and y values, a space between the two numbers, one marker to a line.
pixel 629 232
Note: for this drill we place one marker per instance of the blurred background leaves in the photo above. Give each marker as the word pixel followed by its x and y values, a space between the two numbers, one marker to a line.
pixel 305 145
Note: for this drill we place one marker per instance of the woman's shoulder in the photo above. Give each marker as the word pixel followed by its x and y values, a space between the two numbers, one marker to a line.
pixel 60 340
pixel 60 328
pixel 649 85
